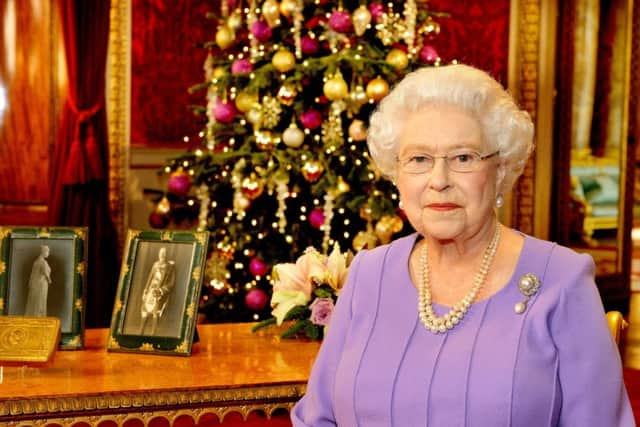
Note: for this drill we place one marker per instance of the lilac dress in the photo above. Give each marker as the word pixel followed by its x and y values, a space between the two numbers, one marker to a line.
pixel 554 365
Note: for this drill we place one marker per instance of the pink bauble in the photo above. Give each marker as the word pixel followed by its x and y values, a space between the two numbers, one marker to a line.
pixel 256 299
pixel 179 184
pixel 225 112
pixel 428 54
pixel 316 218
pixel 258 267
pixel 376 9
pixel 158 220
pixel 340 21
pixel 261 31
pixel 311 119
pixel 241 66
pixel 309 45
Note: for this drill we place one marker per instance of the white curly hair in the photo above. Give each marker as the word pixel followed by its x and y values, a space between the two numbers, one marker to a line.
pixel 505 126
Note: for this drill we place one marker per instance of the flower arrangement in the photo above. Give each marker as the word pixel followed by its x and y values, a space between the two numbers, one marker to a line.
pixel 305 293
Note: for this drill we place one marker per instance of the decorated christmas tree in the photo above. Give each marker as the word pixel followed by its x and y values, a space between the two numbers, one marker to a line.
pixel 283 163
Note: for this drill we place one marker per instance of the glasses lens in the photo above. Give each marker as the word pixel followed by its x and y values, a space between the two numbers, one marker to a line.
pixel 463 161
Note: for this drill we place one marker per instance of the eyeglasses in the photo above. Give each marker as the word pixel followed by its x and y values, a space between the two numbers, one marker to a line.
pixel 463 161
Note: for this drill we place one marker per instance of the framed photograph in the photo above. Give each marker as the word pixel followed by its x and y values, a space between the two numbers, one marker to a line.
pixel 156 303
pixel 43 274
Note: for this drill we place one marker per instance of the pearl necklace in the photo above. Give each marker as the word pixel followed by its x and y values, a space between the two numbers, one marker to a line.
pixel 442 324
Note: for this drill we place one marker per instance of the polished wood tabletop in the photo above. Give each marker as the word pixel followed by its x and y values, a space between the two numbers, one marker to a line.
pixel 227 356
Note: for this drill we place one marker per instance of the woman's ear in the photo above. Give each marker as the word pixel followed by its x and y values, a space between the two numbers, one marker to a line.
pixel 501 172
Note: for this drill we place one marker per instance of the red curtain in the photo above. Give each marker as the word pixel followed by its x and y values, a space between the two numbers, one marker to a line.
pixel 79 172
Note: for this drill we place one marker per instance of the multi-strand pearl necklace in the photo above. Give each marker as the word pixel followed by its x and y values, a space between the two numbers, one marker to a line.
pixel 442 324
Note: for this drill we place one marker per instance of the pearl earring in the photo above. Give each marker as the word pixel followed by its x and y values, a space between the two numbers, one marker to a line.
pixel 400 205
pixel 499 201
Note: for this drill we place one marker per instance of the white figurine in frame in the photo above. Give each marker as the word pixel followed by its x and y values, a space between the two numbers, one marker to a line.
pixel 38 286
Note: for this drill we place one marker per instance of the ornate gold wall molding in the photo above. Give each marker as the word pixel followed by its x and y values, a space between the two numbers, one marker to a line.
pixel 118 94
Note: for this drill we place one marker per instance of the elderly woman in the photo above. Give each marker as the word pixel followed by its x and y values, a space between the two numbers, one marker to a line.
pixel 466 322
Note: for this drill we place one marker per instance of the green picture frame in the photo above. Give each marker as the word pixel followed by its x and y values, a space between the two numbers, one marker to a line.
pixel 156 306
pixel 37 282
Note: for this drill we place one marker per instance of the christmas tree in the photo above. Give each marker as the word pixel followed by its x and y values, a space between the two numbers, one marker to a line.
pixel 283 163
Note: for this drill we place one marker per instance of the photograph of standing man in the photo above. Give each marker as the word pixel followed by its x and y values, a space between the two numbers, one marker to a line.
pixel 155 296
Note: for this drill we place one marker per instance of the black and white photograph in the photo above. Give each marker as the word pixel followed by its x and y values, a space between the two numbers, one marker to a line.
pixel 45 277
pixel 158 291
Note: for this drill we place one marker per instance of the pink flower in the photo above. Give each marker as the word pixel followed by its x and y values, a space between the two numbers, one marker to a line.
pixel 321 309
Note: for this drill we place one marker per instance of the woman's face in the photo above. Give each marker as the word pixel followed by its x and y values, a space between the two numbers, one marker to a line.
pixel 443 203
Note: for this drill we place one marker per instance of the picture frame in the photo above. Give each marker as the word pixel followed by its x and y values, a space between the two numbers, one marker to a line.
pixel 43 274
pixel 156 304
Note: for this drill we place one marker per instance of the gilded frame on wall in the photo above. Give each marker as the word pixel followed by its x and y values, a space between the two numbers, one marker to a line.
pixel 55 255
pixel 158 292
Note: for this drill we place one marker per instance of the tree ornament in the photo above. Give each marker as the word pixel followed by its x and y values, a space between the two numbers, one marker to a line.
pixel 235 20
pixel 366 212
pixel 271 13
pixel 256 299
pixel 283 60
pixel 271 111
pixel 377 10
pixel 252 186
pixel 356 99
pixel 428 54
pixel 164 206
pixel 265 140
pixel 342 186
pixel 311 119
pixel 217 286
pixel 292 136
pixel 335 88
pixel 158 220
pixel 364 240
pixel 241 66
pixel 377 89
pixel 245 101
pixel 261 31
pixel 179 183
pixel 309 45
pixel 316 218
pixel 258 267
pixel 240 202
pixel 361 20
pixel 254 115
pixel 357 130
pixel 219 72
pixel 224 37
pixel 397 58
pixel 312 170
pixel 225 112
pixel 287 94
pixel 383 230
pixel 287 7
pixel 340 21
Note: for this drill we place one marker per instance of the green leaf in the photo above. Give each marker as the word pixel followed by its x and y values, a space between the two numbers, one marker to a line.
pixel 313 331
pixel 297 312
pixel 264 324
pixel 293 330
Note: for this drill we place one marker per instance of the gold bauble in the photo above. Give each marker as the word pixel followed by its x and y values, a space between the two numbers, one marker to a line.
pixel 254 115
pixel 335 88
pixel 361 19
pixel 377 88
pixel 240 201
pixel 363 240
pixel 383 231
pixel 271 12
pixel 357 98
pixel 245 101
pixel 265 140
pixel 397 224
pixel 312 170
pixel 357 130
pixel 235 20
pixel 283 61
pixel 287 7
pixel 397 58
pixel 224 37
pixel 163 207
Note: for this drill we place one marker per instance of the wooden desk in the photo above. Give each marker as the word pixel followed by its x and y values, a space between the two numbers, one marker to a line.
pixel 231 369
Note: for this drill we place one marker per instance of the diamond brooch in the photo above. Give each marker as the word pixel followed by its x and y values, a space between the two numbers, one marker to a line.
pixel 528 285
